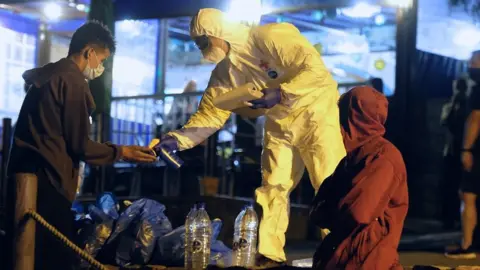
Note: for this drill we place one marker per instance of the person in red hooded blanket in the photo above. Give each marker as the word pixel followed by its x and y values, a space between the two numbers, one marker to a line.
pixel 365 201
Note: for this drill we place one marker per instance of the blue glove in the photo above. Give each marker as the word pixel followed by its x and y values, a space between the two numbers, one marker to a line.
pixel 271 97
pixel 166 149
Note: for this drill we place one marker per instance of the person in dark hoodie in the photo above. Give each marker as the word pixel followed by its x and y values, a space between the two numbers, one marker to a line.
pixel 51 137
pixel 365 201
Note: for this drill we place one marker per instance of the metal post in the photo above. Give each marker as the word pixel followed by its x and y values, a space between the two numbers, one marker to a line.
pixel 6 143
pixel 161 64
pixel 5 195
pixel 162 51
pixel 409 100
pixel 44 45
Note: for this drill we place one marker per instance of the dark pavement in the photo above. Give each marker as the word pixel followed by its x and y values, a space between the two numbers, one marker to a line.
pixel 424 249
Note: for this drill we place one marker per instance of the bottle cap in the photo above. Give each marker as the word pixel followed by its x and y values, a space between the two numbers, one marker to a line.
pixel 201 206
pixel 194 207
pixel 249 205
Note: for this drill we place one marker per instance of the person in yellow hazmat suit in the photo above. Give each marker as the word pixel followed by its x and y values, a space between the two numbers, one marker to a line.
pixel 299 102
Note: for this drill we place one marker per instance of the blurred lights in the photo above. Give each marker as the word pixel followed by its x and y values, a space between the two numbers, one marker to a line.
pixel 380 19
pixel 467 38
pixel 249 11
pixel 317 15
pixel 81 7
pixel 400 3
pixel 351 48
pixel 129 26
pixel 361 10
pixel 339 72
pixel 52 11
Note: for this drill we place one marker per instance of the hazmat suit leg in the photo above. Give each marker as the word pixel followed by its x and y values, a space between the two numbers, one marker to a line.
pixel 322 157
pixel 282 169
pixel 319 149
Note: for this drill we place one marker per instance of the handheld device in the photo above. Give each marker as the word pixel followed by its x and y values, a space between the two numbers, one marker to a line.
pixel 169 157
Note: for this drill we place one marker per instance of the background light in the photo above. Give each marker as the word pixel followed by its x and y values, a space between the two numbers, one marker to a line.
pixel 400 3
pixel 52 11
pixel 467 38
pixel 361 10
pixel 317 15
pixel 379 19
pixel 128 26
pixel 81 7
pixel 249 11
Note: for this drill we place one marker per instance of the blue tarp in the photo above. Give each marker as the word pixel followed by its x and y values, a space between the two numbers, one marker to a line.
pixel 137 230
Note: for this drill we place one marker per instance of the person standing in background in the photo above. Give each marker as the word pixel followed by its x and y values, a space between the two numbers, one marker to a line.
pixel 453 117
pixel 470 159
pixel 182 108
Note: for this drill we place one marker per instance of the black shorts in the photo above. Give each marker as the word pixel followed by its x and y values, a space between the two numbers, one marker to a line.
pixel 470 182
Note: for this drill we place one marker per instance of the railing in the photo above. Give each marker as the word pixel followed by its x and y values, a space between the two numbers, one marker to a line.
pixel 6 133
pixel 146 114
pixel 139 119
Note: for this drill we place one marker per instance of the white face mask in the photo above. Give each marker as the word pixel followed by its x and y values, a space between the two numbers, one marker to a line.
pixel 214 55
pixel 93 73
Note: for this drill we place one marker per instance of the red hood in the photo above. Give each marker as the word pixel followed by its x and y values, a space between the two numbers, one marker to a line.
pixel 363 112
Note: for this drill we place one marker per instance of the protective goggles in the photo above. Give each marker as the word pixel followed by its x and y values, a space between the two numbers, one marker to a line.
pixel 202 42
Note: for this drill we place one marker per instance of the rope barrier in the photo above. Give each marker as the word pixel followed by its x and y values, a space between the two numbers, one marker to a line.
pixel 84 255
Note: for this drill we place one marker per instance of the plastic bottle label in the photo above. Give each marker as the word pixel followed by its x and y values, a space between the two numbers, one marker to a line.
pixel 196 246
pixel 240 244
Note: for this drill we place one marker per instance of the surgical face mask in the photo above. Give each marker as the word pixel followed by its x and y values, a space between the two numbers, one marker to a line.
pixel 214 55
pixel 93 73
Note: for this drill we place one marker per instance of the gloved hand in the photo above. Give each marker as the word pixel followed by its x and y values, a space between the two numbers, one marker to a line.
pixel 271 97
pixel 166 149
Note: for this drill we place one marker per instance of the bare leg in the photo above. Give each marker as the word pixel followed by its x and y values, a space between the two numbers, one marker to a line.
pixel 469 218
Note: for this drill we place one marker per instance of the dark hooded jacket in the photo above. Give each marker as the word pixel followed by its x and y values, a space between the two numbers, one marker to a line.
pixel 365 201
pixel 52 130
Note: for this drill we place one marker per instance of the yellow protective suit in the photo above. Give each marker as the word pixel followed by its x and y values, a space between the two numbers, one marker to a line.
pixel 302 131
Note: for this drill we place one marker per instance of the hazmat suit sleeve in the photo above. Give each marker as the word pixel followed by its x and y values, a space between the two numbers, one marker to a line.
pixel 206 120
pixel 289 49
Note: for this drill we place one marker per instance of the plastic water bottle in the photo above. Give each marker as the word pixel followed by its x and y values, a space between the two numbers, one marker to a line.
pixel 245 237
pixel 188 237
pixel 303 263
pixel 202 233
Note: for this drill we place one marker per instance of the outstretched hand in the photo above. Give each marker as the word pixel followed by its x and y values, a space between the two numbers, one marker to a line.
pixel 137 154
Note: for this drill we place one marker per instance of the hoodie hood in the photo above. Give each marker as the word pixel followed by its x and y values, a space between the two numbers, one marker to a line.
pixel 363 112
pixel 213 22
pixel 40 76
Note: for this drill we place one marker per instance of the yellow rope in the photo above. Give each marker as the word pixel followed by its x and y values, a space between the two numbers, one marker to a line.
pixel 84 255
